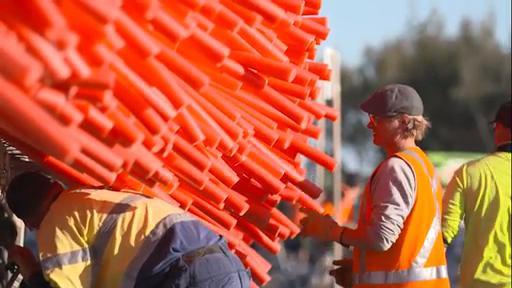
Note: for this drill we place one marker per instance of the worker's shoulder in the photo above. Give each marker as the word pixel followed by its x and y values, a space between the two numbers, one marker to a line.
pixel 94 194
pixel 395 163
pixel 487 161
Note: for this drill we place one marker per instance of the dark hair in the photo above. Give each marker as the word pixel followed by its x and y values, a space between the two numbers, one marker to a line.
pixel 503 115
pixel 26 191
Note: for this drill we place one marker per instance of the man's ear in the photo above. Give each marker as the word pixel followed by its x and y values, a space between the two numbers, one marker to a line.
pixel 406 121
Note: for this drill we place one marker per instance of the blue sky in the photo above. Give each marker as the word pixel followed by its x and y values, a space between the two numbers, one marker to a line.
pixel 356 24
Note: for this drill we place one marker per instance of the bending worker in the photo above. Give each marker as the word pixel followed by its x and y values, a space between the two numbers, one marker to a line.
pixel 103 238
pixel 397 242
pixel 479 193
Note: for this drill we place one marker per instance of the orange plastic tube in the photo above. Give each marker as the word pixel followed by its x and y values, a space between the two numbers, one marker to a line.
pixel 95 170
pixel 312 109
pixel 195 4
pixel 285 221
pixel 232 68
pixel 284 105
pixel 313 4
pixel 232 40
pixel 251 18
pixel 270 12
pixel 202 22
pixel 17 64
pixel 69 175
pixel 315 28
pixel 169 27
pixel 212 139
pixel 264 160
pixel 312 131
pixel 202 41
pixel 221 119
pixel 224 219
pixel 236 203
pixel 124 130
pixel 45 51
pixel 251 189
pixel 291 89
pixel 186 71
pixel 280 70
pixel 320 69
pixel 103 11
pixel 182 198
pixel 187 123
pixel 309 188
pixel 258 236
pixel 308 11
pixel 261 44
pixel 141 41
pixel 100 78
pixel 314 154
pixel 223 172
pixel 265 178
pixel 95 122
pixel 42 14
pixel 296 38
pixel 309 203
pixel 98 151
pixel 294 6
pixel 80 68
pixel 185 170
pixel 145 8
pixel 214 121
pixel 258 214
pixel 38 126
pixel 270 152
pixel 296 57
pixel 224 17
pixel 330 113
pixel 189 152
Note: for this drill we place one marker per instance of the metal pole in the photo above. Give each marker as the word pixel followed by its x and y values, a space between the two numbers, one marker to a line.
pixel 333 59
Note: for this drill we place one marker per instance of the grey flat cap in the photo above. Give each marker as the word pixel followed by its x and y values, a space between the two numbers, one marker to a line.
pixel 394 99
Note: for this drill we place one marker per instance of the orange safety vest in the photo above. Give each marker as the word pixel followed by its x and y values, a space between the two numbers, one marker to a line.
pixel 417 258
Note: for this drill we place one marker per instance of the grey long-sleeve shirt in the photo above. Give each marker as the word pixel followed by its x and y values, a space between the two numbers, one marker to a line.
pixel 393 193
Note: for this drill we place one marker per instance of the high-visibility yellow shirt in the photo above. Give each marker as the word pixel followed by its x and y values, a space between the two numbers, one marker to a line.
pixel 479 193
pixel 102 238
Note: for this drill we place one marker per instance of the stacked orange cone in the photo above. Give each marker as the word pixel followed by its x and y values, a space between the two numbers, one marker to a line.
pixel 208 104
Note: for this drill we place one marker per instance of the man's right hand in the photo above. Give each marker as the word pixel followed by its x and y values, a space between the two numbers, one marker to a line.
pixel 343 273
pixel 25 260
pixel 321 227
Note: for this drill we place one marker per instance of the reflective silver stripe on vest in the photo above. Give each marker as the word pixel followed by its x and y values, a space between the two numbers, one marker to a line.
pixel 401 276
pixel 149 244
pixel 416 272
pixel 68 258
pixel 435 227
pixel 94 253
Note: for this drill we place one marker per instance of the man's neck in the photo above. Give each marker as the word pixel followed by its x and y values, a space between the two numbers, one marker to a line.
pixel 400 145
pixel 504 147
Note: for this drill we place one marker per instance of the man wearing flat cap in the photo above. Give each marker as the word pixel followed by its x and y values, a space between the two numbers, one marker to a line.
pixel 479 194
pixel 398 240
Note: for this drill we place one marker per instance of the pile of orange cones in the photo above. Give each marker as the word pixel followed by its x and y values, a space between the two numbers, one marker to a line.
pixel 207 104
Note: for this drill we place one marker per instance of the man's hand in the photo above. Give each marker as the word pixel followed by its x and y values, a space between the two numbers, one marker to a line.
pixel 343 273
pixel 321 227
pixel 25 260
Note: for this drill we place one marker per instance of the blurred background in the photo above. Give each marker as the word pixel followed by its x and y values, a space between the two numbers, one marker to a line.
pixel 456 53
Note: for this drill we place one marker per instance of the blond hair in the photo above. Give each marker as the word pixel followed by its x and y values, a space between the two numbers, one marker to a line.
pixel 415 126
